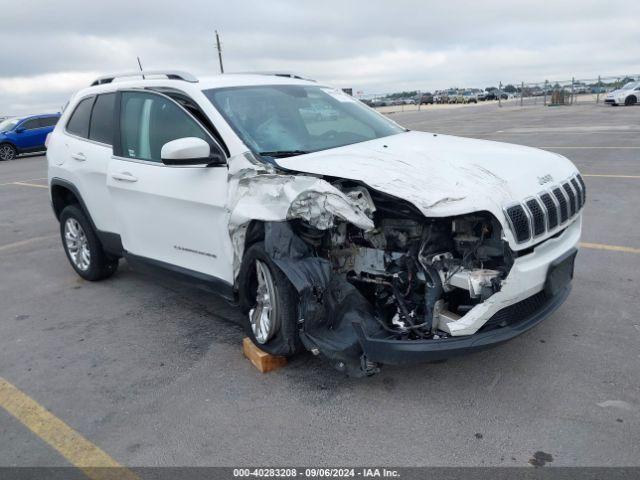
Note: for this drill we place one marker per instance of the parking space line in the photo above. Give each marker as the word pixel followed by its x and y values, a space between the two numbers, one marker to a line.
pixel 612 248
pixel 609 176
pixel 79 451
pixel 24 184
pixel 21 243
pixel 27 180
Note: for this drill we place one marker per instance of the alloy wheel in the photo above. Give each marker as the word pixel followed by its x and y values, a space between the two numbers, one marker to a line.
pixel 263 317
pixel 7 152
pixel 77 244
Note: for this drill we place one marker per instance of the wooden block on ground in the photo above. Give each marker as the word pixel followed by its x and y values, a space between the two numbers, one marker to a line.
pixel 263 361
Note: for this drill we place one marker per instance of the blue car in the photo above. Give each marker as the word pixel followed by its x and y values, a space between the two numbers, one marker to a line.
pixel 25 134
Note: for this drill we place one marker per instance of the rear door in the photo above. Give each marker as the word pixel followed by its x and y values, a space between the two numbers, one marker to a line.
pixel 175 215
pixel 47 124
pixel 88 144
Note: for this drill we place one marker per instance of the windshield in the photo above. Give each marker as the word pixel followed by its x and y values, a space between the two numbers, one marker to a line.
pixel 630 85
pixel 285 120
pixel 8 124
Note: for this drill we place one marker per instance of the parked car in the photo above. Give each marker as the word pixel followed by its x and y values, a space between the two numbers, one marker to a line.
pixel 627 95
pixel 470 97
pixel 25 134
pixel 426 99
pixel 352 237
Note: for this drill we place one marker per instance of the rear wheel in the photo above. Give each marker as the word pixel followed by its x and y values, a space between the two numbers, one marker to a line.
pixel 82 246
pixel 270 301
pixel 630 100
pixel 7 152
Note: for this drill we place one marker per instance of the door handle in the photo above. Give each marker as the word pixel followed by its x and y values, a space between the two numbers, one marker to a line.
pixel 124 177
pixel 78 156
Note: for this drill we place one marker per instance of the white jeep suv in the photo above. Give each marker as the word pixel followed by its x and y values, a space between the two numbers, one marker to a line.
pixel 332 227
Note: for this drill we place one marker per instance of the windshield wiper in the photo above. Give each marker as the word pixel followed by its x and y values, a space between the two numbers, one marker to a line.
pixel 283 153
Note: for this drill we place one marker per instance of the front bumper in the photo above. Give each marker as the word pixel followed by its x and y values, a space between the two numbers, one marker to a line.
pixel 400 352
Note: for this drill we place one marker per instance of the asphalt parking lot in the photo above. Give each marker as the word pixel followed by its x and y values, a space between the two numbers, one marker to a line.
pixel 153 375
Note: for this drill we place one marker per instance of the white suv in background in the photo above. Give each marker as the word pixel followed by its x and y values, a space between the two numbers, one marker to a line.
pixel 340 232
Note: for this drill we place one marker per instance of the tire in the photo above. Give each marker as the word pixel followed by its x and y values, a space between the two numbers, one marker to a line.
pixel 630 100
pixel 7 152
pixel 282 337
pixel 89 260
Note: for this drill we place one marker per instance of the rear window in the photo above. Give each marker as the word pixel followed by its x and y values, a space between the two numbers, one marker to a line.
pixel 48 121
pixel 101 129
pixel 78 124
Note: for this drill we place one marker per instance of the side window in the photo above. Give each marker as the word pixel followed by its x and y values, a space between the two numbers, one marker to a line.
pixel 148 121
pixel 48 121
pixel 30 124
pixel 101 126
pixel 78 124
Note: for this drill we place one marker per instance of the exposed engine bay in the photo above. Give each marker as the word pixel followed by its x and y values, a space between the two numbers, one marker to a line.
pixel 417 273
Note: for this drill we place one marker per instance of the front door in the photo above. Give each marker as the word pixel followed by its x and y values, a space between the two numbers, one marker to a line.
pixel 32 136
pixel 171 214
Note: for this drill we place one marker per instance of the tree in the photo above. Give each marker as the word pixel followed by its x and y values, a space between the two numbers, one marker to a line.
pixel 509 89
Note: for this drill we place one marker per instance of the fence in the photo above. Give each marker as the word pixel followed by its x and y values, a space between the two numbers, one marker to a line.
pixel 563 92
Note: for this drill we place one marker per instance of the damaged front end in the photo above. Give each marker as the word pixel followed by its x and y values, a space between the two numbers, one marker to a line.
pixel 379 282
pixel 400 280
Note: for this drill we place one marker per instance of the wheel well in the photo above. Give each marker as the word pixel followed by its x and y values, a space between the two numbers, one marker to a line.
pixel 61 197
pixel 10 144
pixel 255 233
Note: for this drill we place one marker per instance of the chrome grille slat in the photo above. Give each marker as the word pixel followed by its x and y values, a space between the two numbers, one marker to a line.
pixel 572 198
pixel 551 208
pixel 561 198
pixel 537 215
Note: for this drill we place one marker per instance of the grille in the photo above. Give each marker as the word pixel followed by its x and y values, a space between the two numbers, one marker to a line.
pixel 572 198
pixel 584 189
pixel 519 222
pixel 578 189
pixel 537 216
pixel 552 210
pixel 518 312
pixel 562 201
pixel 546 211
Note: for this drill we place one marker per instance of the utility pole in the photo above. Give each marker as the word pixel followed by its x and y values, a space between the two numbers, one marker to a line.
pixel 219 51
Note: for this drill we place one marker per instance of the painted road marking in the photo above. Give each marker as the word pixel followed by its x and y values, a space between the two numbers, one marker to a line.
pixel 28 241
pixel 27 180
pixel 609 176
pixel 612 248
pixel 79 451
pixel 24 184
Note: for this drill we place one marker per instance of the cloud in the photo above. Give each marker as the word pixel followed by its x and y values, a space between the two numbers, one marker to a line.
pixel 374 46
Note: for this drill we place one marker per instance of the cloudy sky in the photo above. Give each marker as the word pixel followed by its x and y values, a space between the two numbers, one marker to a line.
pixel 52 48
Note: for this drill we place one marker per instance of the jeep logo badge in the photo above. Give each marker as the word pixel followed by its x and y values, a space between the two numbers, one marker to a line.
pixel 545 179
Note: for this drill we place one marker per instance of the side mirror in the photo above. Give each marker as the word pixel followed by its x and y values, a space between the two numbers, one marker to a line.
pixel 191 151
pixel 19 129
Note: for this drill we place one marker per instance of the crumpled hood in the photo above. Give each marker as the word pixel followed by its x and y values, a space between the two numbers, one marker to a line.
pixel 441 175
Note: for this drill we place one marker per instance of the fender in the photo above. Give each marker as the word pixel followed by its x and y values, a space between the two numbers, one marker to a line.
pixel 111 242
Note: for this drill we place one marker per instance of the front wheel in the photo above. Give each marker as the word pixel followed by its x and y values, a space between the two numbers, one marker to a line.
pixel 630 100
pixel 82 246
pixel 7 152
pixel 270 302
